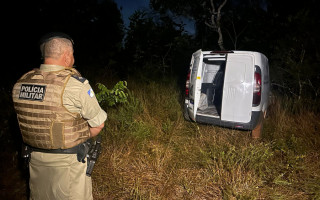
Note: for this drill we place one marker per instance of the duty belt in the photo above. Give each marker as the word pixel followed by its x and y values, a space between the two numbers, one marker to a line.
pixel 81 150
pixel 89 149
pixel 73 150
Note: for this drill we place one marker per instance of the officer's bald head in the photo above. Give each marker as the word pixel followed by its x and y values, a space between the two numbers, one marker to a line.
pixel 55 47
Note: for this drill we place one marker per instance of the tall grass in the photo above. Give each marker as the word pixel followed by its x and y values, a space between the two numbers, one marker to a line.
pixel 151 152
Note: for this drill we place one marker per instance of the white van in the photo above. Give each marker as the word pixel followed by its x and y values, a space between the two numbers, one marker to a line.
pixel 229 89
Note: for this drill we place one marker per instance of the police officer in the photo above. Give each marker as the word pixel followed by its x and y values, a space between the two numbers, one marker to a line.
pixel 57 113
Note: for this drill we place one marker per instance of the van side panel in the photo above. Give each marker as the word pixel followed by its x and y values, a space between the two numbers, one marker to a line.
pixel 238 88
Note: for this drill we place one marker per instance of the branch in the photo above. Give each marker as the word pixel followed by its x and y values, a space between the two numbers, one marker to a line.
pixel 221 6
pixel 215 16
pixel 236 35
pixel 212 6
pixel 285 87
pixel 215 21
pixel 219 11
pixel 210 25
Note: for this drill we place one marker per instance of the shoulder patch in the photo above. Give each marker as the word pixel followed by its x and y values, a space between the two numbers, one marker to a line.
pixel 79 78
pixel 90 93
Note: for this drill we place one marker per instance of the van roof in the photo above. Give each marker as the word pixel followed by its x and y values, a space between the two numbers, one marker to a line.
pixel 255 53
pixel 259 57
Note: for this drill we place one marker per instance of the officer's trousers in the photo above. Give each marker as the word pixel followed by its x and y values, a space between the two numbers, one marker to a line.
pixel 58 176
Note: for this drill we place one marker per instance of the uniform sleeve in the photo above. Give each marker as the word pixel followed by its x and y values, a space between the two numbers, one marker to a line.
pixel 79 98
pixel 90 108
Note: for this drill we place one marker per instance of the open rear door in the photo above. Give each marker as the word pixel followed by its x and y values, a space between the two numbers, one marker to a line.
pixel 238 88
pixel 195 83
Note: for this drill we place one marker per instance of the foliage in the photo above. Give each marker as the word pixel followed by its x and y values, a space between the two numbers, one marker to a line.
pixel 295 60
pixel 153 43
pixel 110 97
pixel 151 152
pixel 95 26
pixel 288 37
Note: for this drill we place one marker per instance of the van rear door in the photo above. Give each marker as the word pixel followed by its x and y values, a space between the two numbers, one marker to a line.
pixel 195 83
pixel 238 88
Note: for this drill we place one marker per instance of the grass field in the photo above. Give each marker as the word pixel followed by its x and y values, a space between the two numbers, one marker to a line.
pixel 151 152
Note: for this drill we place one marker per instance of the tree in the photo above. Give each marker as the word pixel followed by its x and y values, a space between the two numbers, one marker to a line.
pixel 95 25
pixel 295 54
pixel 287 35
pixel 215 21
pixel 204 12
pixel 152 41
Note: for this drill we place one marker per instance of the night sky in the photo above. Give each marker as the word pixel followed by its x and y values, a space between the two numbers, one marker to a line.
pixel 128 7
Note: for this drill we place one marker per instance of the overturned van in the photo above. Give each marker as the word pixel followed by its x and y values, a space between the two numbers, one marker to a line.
pixel 229 89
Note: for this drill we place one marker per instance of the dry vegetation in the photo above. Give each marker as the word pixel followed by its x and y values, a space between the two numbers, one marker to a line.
pixel 151 152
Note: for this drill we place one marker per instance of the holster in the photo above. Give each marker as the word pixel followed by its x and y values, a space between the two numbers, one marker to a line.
pixel 82 151
pixel 93 154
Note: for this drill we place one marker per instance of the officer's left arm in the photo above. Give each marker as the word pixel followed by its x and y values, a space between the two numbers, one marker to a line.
pixel 96 130
pixel 91 110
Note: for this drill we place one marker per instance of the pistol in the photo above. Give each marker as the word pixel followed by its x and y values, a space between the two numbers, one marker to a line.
pixel 93 155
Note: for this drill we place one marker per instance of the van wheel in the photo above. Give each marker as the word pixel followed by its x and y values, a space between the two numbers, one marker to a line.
pixel 256 133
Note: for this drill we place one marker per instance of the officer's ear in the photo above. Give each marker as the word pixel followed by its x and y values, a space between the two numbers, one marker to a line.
pixel 67 58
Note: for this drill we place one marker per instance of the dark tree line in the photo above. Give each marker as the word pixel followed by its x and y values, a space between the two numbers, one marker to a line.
pixel 156 43
pixel 95 25
pixel 287 32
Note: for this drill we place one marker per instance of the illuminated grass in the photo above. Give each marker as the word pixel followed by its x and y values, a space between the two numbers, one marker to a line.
pixel 151 152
